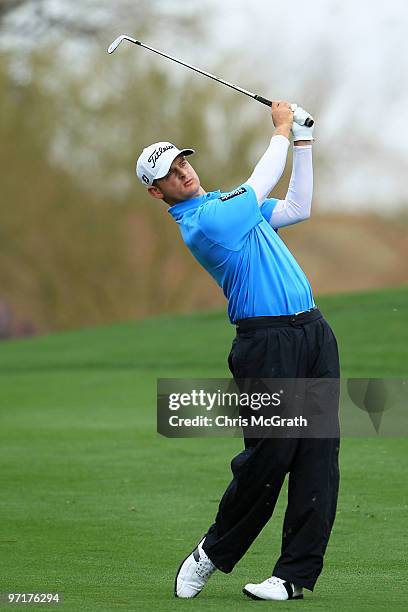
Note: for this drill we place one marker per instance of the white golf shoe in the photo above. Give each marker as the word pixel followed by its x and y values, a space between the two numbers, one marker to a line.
pixel 273 588
pixel 193 574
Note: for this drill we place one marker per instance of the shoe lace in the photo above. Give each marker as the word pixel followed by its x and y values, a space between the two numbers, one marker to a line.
pixel 205 568
pixel 274 580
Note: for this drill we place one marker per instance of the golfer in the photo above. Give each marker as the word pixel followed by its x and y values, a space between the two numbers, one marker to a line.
pixel 280 334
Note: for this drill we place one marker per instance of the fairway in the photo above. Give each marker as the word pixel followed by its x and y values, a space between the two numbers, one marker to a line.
pixel 96 506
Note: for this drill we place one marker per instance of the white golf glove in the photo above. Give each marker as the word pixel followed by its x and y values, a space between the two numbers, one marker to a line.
pixel 301 132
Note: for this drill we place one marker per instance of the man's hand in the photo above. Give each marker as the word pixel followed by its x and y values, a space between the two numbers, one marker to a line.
pixel 302 135
pixel 282 117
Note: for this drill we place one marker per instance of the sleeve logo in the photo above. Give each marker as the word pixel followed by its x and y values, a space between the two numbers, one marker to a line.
pixel 233 194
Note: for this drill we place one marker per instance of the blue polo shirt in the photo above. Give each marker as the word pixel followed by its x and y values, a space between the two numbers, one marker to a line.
pixel 230 236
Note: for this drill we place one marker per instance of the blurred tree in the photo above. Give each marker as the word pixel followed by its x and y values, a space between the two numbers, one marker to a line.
pixel 6 6
pixel 39 21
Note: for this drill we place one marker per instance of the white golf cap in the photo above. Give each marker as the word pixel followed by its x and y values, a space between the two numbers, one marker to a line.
pixel 154 162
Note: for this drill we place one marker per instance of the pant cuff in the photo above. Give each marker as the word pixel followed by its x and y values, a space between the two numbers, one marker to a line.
pixel 305 584
pixel 225 568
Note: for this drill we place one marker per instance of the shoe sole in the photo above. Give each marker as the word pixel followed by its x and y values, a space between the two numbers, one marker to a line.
pixel 178 571
pixel 252 596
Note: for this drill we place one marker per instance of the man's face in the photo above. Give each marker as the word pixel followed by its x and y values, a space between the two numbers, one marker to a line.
pixel 180 183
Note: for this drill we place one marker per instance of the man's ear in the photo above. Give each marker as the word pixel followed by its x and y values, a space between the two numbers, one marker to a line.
pixel 156 193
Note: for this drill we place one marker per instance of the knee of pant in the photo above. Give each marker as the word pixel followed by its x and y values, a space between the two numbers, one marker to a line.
pixel 264 461
pixel 240 461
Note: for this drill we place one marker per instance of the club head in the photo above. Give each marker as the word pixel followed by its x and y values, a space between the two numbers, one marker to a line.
pixel 116 43
pixel 119 39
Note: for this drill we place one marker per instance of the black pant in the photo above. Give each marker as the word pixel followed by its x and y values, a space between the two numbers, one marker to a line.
pixel 299 346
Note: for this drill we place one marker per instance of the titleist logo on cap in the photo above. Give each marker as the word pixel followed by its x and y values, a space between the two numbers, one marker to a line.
pixel 156 154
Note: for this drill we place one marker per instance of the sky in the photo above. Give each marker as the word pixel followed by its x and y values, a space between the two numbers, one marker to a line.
pixel 347 62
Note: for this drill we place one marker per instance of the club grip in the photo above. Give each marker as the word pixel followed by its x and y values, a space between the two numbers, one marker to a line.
pixel 263 100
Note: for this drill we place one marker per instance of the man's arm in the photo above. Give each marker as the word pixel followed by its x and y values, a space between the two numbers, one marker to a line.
pixel 270 167
pixel 296 206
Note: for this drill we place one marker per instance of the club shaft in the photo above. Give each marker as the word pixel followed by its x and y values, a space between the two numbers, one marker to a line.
pixel 204 72
pixel 308 121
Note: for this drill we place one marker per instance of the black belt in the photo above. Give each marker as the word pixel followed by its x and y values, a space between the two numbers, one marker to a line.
pixel 250 323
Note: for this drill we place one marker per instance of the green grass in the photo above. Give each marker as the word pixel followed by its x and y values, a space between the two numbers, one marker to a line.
pixel 96 505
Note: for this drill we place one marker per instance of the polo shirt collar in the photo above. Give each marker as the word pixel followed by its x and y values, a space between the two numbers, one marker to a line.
pixel 178 210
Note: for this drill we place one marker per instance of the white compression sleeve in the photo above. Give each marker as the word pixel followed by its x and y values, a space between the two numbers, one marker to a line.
pixel 270 167
pixel 298 202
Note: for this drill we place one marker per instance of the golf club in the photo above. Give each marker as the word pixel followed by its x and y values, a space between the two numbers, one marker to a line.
pixel 300 116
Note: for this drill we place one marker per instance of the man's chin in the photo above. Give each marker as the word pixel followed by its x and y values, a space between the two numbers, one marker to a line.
pixel 192 188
